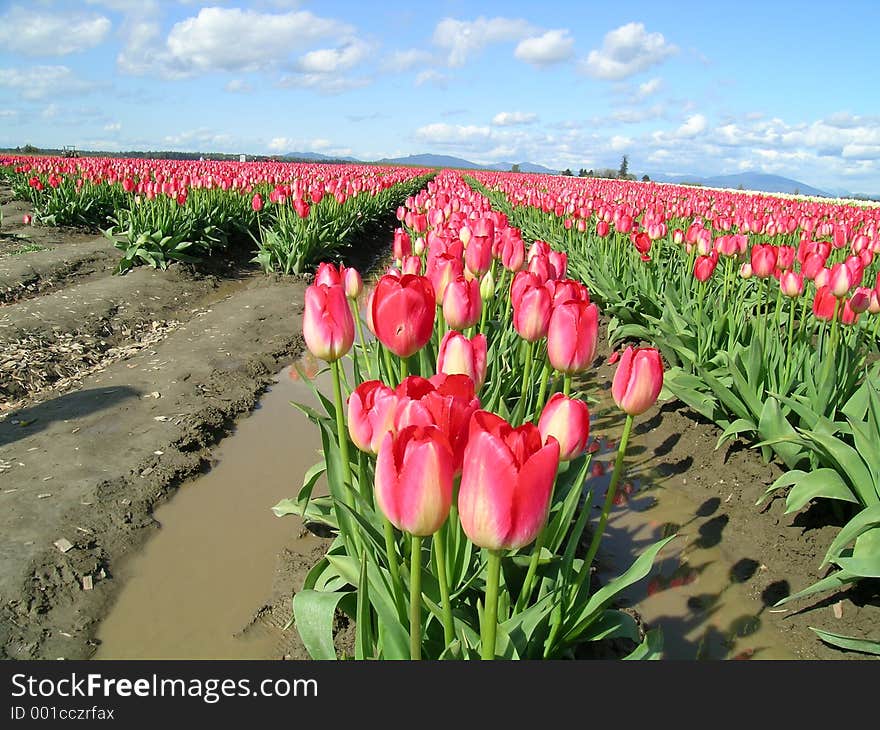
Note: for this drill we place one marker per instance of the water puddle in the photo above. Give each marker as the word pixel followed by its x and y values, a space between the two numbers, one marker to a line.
pixel 696 592
pixel 205 574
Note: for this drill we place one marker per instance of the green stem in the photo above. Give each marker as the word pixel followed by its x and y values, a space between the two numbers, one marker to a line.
pixel 490 609
pixel 445 602
pixel 404 368
pixel 542 391
pixel 526 382
pixel 566 384
pixel 606 508
pixel 341 431
pixel 525 593
pixel 360 330
pixel 415 599
pixel 393 564
pixel 484 307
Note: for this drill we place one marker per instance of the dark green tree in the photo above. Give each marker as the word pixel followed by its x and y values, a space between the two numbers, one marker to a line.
pixel 623 171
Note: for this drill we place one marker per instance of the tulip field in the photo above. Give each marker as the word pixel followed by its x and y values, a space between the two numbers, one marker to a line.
pixel 456 442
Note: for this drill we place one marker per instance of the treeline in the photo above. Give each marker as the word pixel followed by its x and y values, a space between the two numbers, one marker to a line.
pixel 29 149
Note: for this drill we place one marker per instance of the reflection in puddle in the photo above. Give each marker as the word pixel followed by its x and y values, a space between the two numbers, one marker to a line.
pixel 695 592
pixel 202 577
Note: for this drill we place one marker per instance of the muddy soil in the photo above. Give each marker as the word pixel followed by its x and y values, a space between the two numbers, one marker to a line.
pixel 729 551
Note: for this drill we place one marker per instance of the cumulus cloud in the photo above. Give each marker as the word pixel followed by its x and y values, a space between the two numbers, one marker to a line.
pixel 334 60
pixel 32 33
pixel 509 119
pixel 432 77
pixel 649 87
pixel 232 39
pixel 39 82
pixel 626 51
pixel 406 60
pixel 693 125
pixel 446 134
pixel 463 38
pixel 551 47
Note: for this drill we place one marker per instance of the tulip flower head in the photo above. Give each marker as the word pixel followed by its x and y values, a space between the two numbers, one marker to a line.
pixel 568 421
pixel 371 411
pixel 403 313
pixel 460 356
pixel 638 380
pixel 414 479
pixel 328 325
pixel 506 482
pixel 572 336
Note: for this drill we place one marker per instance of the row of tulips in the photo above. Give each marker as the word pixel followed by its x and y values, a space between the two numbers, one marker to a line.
pixel 159 211
pixel 457 480
pixel 768 310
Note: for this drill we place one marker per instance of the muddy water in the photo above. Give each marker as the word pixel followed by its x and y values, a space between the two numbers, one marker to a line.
pixel 695 592
pixel 199 582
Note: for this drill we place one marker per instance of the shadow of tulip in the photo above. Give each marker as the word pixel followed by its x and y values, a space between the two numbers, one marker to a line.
pixel 709 507
pixel 68 407
pixel 671 468
pixel 743 570
pixel 710 532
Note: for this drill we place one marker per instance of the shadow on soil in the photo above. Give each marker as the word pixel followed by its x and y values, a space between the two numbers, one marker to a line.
pixel 70 406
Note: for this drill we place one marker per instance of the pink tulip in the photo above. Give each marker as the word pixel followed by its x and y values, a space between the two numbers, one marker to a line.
pixel 513 254
pixel 704 267
pixel 328 327
pixel 371 411
pixel 414 479
pixel 824 304
pixel 791 283
pixel 568 421
pixel 328 274
pixel 256 202
pixel 352 282
pixel 462 304
pixel 840 280
pixel 506 483
pixel 403 313
pixel 531 313
pixel 861 299
pixel 460 356
pixel 572 336
pixel 402 245
pixel 638 380
pixel 763 260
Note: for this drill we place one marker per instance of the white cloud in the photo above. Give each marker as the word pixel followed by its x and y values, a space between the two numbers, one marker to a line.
pixel 322 83
pixel 693 125
pixel 619 143
pixel 112 127
pixel 463 38
pixel 334 60
pixel 432 77
pixel 32 33
pixel 551 47
pixel 232 39
pixel 282 144
pixel 627 50
pixel 39 82
pixel 648 88
pixel 406 60
pixel 509 119
pixel 446 134
pixel 199 140
pixel 238 86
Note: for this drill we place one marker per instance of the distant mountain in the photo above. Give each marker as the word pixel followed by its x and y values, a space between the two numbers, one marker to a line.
pixel 317 157
pixel 748 180
pixel 429 160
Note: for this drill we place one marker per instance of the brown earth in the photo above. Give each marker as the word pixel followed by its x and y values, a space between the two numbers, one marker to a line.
pixel 113 391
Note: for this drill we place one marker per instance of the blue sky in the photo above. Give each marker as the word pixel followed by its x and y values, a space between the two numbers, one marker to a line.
pixel 684 87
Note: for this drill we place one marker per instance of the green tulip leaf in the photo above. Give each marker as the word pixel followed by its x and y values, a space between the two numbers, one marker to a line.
pixel 866 646
pixel 314 613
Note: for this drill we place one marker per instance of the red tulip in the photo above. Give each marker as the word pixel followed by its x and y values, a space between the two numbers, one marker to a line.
pixel 568 421
pixel 763 260
pixel 704 266
pixel 328 327
pixel 513 254
pixel 506 483
pixel 572 336
pixel 478 256
pixel 638 380
pixel 825 304
pixel 441 270
pixel 860 300
pixel 371 410
pixel 327 274
pixel 414 479
pixel 403 313
pixel 26 219
pixel 256 201
pixel 602 229
pixel 460 356
pixel 402 245
pixel 462 304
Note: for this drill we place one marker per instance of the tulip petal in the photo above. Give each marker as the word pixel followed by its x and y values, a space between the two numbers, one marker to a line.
pixel 531 499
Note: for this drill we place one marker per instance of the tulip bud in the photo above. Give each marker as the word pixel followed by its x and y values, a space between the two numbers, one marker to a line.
pixel 572 335
pixel 462 304
pixel 257 203
pixel 791 283
pixel 328 326
pixel 568 421
pixel 353 283
pixel 460 356
pixel 487 286
pixel 403 313
pixel 745 271
pixel 638 380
